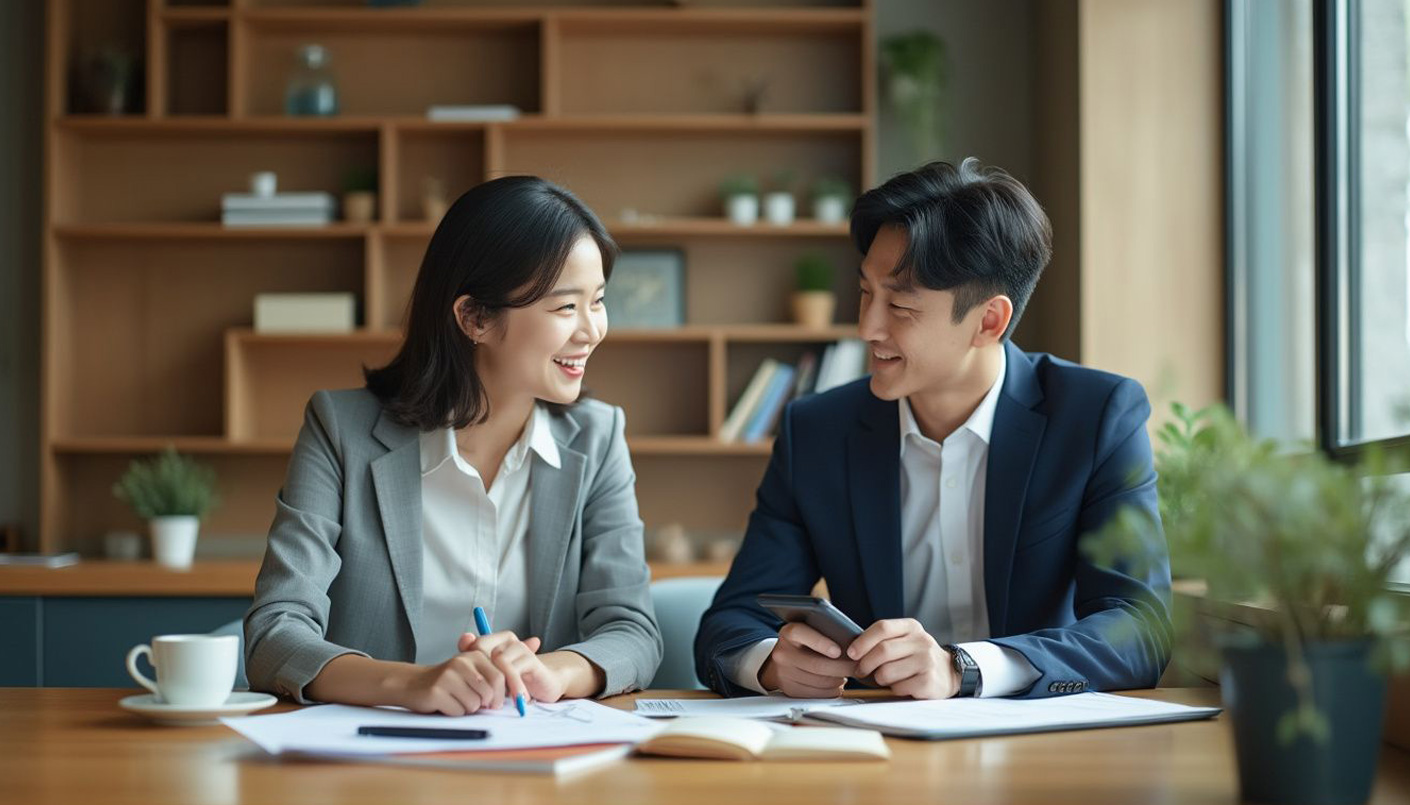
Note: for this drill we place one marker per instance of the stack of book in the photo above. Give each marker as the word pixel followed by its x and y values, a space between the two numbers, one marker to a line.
pixel 278 209
pixel 755 415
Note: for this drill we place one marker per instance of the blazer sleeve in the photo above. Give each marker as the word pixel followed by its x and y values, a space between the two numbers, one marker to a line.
pixel 1122 636
pixel 775 557
pixel 615 617
pixel 285 647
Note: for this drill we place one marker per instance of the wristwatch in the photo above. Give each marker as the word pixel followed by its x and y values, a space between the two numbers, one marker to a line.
pixel 966 669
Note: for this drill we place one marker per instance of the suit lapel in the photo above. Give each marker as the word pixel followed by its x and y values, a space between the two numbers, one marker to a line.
pixel 873 458
pixel 396 477
pixel 1017 434
pixel 553 509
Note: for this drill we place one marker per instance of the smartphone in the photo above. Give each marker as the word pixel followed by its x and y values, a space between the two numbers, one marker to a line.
pixel 818 613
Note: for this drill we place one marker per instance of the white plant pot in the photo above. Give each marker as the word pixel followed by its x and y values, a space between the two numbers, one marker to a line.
pixel 779 208
pixel 830 209
pixel 742 210
pixel 174 540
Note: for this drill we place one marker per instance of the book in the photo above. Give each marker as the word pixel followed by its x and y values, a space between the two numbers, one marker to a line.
pixel 472 113
pixel 807 373
pixel 39 559
pixel 305 313
pixel 559 761
pixel 236 219
pixel 844 362
pixel 249 202
pixel 766 413
pixel 726 738
pixel 744 407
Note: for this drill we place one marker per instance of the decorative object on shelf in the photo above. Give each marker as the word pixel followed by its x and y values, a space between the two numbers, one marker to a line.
pixel 305 312
pixel 647 289
pixel 122 546
pixel 1314 541
pixel 670 544
pixel 360 195
pixel 721 550
pixel 172 493
pixel 755 90
pixel 814 301
pixel 264 184
pixel 916 75
pixel 780 206
pixel 741 197
pixel 433 199
pixel 112 82
pixel 832 198
pixel 311 90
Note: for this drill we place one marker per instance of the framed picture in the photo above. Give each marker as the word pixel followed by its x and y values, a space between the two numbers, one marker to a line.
pixel 647 289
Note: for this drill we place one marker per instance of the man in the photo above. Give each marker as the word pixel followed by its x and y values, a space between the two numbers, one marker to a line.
pixel 943 499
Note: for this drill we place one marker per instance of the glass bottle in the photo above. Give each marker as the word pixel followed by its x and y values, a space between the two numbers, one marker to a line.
pixel 311 89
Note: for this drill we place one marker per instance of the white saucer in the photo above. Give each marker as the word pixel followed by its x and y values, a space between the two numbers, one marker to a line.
pixel 239 703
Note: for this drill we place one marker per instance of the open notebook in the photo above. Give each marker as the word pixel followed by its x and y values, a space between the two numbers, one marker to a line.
pixel 725 738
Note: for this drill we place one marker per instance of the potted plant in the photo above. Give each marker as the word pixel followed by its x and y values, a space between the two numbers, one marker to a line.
pixel 741 198
pixel 831 198
pixel 814 301
pixel 915 85
pixel 780 207
pixel 1313 542
pixel 172 493
pixel 360 195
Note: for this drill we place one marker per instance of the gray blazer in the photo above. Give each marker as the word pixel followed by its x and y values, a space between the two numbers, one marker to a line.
pixel 342 572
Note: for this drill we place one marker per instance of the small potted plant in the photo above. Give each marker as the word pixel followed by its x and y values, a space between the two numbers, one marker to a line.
pixel 172 493
pixel 741 198
pixel 814 302
pixel 360 195
pixel 1312 542
pixel 831 198
pixel 780 206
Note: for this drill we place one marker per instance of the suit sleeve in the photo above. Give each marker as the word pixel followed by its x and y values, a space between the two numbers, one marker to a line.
pixel 285 648
pixel 775 557
pixel 615 617
pixel 1122 636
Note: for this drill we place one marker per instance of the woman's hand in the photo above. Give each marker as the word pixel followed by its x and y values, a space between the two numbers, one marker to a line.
pixel 461 685
pixel 518 660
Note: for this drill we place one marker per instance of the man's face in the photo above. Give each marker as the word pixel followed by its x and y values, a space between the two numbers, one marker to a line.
pixel 916 347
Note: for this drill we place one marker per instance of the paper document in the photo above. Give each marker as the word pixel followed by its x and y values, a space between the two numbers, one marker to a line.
pixel 972 718
pixel 332 728
pixel 742 707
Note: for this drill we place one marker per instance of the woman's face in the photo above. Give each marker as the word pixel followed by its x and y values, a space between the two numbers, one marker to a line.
pixel 542 350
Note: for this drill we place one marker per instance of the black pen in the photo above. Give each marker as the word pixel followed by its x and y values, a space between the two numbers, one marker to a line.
pixel 424 732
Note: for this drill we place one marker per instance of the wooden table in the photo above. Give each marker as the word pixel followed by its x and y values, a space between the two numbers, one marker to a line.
pixel 75 745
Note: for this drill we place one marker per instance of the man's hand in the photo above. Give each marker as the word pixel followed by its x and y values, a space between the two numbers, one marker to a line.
pixel 805 665
pixel 900 655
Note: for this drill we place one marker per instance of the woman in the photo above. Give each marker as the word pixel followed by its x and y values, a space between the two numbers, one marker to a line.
pixel 466 474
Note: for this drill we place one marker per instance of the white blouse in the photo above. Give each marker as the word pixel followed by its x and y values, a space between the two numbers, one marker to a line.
pixel 474 550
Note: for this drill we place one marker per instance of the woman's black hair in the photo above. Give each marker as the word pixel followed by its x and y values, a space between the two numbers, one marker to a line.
pixel 503 244
pixel 972 229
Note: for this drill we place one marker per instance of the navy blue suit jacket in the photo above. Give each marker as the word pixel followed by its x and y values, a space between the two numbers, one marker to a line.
pixel 1068 449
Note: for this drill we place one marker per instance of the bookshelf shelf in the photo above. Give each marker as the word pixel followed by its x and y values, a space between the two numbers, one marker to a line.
pixel 147 335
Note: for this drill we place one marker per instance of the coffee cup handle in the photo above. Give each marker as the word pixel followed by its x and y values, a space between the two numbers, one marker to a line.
pixel 139 677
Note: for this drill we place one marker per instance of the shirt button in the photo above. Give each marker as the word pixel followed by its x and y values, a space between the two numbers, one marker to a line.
pixel 951 483
pixel 955 557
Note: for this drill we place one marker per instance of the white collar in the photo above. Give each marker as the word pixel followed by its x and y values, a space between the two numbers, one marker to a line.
pixel 438 446
pixel 980 422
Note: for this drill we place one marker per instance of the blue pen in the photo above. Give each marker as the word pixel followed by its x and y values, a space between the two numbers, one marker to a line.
pixel 482 623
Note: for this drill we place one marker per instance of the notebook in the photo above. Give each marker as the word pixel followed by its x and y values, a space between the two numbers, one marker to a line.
pixel 974 718
pixel 725 738
pixel 559 761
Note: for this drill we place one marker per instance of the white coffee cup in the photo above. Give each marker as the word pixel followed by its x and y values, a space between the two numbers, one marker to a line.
pixel 193 670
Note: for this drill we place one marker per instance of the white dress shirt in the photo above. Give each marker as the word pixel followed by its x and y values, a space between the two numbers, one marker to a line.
pixel 474 550
pixel 942 548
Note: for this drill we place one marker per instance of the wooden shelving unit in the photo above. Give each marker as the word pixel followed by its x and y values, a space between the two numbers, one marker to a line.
pixel 148 299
